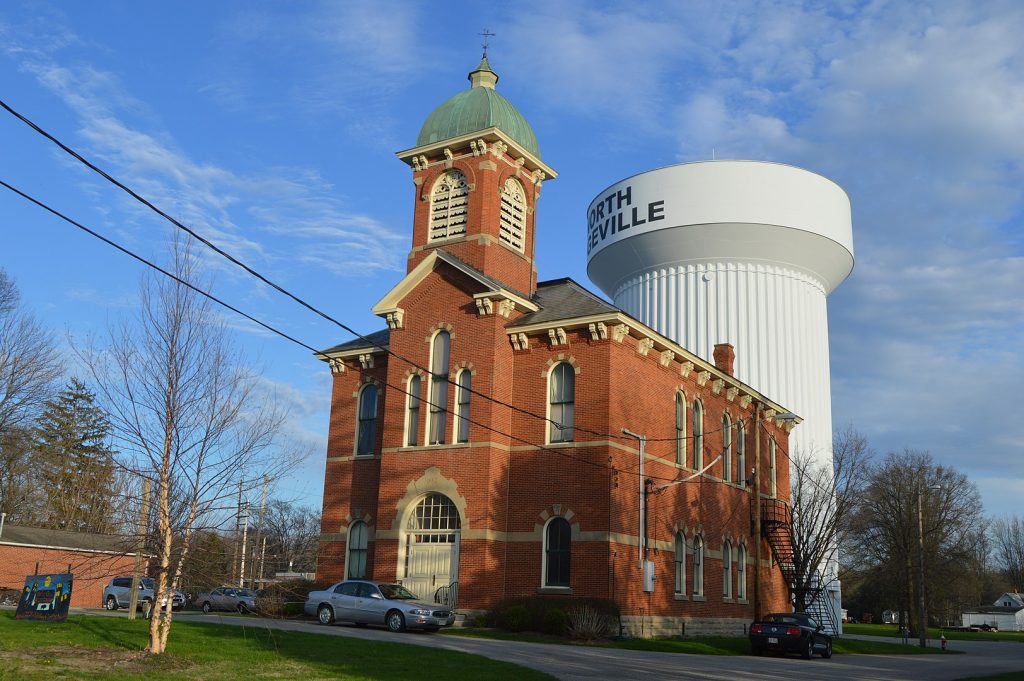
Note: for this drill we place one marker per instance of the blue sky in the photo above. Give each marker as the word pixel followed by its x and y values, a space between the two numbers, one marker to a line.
pixel 271 128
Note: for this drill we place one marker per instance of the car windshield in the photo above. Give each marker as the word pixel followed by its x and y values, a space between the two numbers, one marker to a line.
pixel 246 592
pixel 397 592
pixel 783 619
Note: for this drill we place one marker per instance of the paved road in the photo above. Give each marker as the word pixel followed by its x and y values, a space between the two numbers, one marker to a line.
pixel 572 663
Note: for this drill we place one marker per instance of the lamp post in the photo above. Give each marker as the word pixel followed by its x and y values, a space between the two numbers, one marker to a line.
pixel 922 614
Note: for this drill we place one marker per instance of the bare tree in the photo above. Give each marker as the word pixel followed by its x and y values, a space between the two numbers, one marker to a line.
pixel 29 363
pixel 822 498
pixel 1008 541
pixel 293 536
pixel 187 415
pixel 886 527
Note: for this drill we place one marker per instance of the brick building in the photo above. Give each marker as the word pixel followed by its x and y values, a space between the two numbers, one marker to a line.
pixel 479 439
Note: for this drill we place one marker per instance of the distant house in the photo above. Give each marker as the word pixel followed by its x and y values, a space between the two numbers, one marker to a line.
pixel 1005 614
pixel 93 559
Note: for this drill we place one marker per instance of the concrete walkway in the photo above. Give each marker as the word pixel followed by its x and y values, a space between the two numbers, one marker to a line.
pixel 568 662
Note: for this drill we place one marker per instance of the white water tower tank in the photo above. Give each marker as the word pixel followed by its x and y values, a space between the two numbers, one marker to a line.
pixel 740 252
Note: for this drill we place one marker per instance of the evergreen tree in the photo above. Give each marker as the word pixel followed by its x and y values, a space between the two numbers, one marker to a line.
pixel 79 478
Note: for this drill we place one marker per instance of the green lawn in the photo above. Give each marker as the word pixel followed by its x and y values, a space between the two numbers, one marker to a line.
pixel 893 631
pixel 709 645
pixel 87 647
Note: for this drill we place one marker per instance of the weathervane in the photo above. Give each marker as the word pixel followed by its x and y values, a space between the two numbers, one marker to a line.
pixel 486 34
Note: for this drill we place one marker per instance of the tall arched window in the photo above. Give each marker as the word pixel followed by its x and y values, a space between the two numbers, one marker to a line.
pixel 448 206
pixel 366 430
pixel 513 214
pixel 357 543
pixel 680 429
pixel 412 418
pixel 557 552
pixel 741 572
pixel 727 569
pixel 680 563
pixel 698 566
pixel 698 435
pixel 465 385
pixel 561 402
pixel 439 357
pixel 726 447
pixel 741 454
pixel 773 473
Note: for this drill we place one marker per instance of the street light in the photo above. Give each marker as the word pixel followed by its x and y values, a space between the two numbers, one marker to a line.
pixel 922 614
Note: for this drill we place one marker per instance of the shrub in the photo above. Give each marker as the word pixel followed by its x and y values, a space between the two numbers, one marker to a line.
pixel 538 607
pixel 285 599
pixel 515 618
pixel 588 624
pixel 556 622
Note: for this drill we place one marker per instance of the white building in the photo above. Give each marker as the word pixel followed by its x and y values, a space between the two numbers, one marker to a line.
pixel 1005 614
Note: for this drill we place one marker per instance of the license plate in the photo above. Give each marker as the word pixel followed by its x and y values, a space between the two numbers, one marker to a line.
pixel 773 640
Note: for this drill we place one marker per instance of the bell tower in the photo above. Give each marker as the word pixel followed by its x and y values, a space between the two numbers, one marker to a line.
pixel 477 173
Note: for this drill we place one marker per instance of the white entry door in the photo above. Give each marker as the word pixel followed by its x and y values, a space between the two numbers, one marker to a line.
pixel 431 547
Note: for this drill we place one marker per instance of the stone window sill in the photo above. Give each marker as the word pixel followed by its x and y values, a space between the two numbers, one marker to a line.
pixel 563 590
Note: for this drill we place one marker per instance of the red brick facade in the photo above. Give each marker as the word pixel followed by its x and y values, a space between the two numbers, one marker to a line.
pixel 92 569
pixel 507 482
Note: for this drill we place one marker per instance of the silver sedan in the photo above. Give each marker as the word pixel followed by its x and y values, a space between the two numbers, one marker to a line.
pixel 364 602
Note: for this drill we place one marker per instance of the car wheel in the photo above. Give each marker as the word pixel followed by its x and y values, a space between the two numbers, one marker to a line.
pixel 242 609
pixel 828 650
pixel 325 614
pixel 809 650
pixel 111 603
pixel 396 621
pixel 207 607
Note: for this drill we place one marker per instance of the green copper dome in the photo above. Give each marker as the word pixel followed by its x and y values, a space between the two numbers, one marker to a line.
pixel 478 108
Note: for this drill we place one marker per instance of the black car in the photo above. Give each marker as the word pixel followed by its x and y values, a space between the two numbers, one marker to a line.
pixel 791 632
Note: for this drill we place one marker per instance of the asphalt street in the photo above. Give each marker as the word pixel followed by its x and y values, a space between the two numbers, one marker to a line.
pixel 570 663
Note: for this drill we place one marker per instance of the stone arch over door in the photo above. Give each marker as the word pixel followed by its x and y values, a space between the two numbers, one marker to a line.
pixel 429 523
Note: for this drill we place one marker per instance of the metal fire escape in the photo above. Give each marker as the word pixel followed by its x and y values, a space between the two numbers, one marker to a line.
pixel 777 528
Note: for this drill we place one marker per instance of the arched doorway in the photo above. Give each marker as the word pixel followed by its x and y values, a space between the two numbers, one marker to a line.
pixel 431 543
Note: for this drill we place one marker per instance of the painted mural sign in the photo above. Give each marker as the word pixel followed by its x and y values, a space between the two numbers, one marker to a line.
pixel 45 597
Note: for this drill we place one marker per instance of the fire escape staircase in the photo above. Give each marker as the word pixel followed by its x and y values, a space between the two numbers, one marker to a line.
pixel 777 528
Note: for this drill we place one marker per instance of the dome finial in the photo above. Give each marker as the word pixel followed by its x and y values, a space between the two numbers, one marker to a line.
pixel 483 75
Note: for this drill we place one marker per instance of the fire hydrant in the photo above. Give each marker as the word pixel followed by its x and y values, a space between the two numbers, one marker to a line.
pixel 942 638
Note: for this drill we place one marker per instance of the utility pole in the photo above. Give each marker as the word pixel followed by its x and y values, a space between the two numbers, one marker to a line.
pixel 922 615
pixel 757 511
pixel 143 524
pixel 245 533
pixel 262 531
pixel 238 528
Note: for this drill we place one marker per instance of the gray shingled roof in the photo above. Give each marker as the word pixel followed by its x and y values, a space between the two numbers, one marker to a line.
pixel 563 299
pixel 375 339
pixel 38 536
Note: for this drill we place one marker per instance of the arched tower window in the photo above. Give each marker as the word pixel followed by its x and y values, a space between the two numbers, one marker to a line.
pixel 741 454
pixel 465 385
pixel 741 572
pixel 366 430
pixel 698 435
pixel 357 543
pixel 557 552
pixel 439 358
pixel 726 447
pixel 727 569
pixel 698 566
pixel 448 202
pixel 680 563
pixel 513 214
pixel 680 429
pixel 561 402
pixel 412 419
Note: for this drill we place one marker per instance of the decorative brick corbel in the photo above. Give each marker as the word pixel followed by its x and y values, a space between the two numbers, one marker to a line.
pixel 703 377
pixel 619 331
pixel 769 414
pixel 417 164
pixel 394 318
pixel 484 306
pixel 366 361
pixel 557 336
pixel 666 358
pixel 538 177
pixel 717 385
pixel 519 341
pixel 598 331
pixel 505 308
pixel 449 157
pixel 745 401
pixel 731 392
pixel 685 368
pixel 337 366
pixel 644 346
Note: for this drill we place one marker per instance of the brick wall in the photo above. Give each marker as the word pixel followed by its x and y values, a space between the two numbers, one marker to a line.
pixel 92 571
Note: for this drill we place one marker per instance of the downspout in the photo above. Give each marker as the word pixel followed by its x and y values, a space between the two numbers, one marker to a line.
pixel 3 516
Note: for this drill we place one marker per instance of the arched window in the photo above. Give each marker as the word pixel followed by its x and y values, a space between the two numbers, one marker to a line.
pixel 727 569
pixel 435 520
pixel 366 432
pixel 439 357
pixel 412 418
pixel 698 435
pixel 741 454
pixel 772 471
pixel 465 385
pixel 562 402
pixel 513 214
pixel 557 552
pixel 726 447
pixel 680 563
pixel 357 542
pixel 741 572
pixel 680 429
pixel 698 566
pixel 448 206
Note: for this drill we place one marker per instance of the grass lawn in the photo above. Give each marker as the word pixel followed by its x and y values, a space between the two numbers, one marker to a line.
pixel 893 631
pixel 87 647
pixel 709 645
